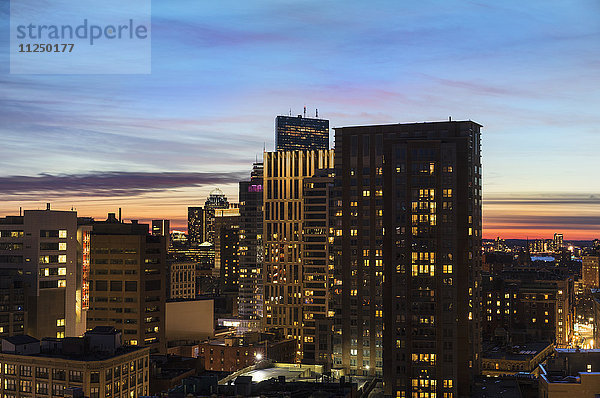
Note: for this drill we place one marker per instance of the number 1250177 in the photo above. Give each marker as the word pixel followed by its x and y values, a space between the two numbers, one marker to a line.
pixel 45 48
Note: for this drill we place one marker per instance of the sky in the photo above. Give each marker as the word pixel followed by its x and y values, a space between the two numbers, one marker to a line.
pixel 153 144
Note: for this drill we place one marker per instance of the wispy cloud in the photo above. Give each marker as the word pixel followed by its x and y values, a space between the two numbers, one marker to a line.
pixel 107 183
pixel 543 199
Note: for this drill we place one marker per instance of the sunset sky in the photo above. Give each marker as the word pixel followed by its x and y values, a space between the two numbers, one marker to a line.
pixel 529 72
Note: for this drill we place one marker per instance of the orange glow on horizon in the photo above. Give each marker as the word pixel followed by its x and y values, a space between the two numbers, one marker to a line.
pixel 506 220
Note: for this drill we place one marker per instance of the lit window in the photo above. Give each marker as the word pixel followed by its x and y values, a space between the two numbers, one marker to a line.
pixel 62 258
pixel 62 246
pixel 62 283
pixel 62 234
pixel 60 322
pixel 62 271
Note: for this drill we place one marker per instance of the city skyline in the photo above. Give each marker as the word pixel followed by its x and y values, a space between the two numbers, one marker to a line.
pixel 153 144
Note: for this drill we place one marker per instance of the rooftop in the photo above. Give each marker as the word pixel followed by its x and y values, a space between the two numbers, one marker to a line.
pixel 523 352
pixel 21 339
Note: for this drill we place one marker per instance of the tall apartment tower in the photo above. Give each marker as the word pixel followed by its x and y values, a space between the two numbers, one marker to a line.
pixel 301 133
pixel 227 240
pixel 41 245
pixel 317 261
pixel 128 282
pixel 284 175
pixel 251 253
pixel 408 255
pixel 216 200
pixel 195 226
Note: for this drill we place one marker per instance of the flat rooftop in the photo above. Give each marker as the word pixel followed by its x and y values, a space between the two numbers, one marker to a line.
pixel 522 352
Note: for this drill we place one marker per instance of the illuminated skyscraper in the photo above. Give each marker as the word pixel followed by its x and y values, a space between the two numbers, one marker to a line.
pixel 558 241
pixel 195 226
pixel 283 274
pixel 407 255
pixel 216 200
pixel 301 133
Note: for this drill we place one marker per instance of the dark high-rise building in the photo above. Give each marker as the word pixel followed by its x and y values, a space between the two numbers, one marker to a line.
pixel 162 228
pixel 227 240
pixel 13 315
pixel 317 259
pixel 195 226
pixel 216 200
pixel 251 245
pixel 301 133
pixel 407 253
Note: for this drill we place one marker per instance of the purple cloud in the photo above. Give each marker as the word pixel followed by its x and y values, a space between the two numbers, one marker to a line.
pixel 109 183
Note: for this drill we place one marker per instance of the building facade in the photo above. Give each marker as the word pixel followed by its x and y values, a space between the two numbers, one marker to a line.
pixel 128 282
pixel 195 226
pixel 283 274
pixel 13 314
pixel 590 272
pixel 317 260
pixel 233 353
pixel 216 200
pixel 227 240
pixel 251 253
pixel 182 277
pixel 301 133
pixel 42 246
pixel 523 307
pixel 59 365
pixel 162 228
pixel 407 250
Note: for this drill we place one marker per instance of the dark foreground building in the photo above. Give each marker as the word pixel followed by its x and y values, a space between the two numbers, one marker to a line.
pixel 408 255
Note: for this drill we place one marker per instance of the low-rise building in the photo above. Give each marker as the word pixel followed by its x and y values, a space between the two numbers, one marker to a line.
pixel 570 373
pixel 509 360
pixel 96 365
pixel 189 320
pixel 233 353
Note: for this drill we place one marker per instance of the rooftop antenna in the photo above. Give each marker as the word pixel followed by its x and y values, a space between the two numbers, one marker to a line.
pixel 304 110
pixel 316 113
pixel 264 146
pixel 449 118
pixel 290 111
